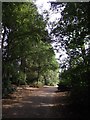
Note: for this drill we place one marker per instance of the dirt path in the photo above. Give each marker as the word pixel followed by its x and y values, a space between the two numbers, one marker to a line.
pixel 35 103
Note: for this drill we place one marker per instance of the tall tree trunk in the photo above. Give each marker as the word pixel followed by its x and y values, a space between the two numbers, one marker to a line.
pixel 38 75
pixel 4 34
pixel 83 54
pixel 45 80
pixel 23 69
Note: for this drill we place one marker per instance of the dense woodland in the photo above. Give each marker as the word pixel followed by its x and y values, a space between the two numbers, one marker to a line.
pixel 74 26
pixel 29 58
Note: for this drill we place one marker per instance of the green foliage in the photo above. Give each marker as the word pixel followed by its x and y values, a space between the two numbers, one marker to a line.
pixel 26 53
pixel 21 78
pixel 73 32
pixel 7 88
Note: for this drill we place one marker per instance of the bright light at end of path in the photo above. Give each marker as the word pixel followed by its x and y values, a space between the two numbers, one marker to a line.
pixel 43 5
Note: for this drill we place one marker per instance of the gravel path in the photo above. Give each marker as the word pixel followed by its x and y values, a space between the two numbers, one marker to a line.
pixel 35 103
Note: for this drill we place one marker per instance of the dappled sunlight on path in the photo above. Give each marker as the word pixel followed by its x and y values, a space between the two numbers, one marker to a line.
pixel 36 103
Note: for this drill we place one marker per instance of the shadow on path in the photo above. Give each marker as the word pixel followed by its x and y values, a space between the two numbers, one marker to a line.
pixel 41 103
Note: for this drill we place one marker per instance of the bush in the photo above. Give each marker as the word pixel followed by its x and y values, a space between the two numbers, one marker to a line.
pixel 64 85
pixel 8 89
pixel 21 79
pixel 40 84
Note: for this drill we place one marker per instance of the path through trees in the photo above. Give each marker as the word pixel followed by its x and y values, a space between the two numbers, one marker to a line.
pixel 30 102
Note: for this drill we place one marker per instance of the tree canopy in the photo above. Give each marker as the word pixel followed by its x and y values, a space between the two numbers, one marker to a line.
pixel 27 56
pixel 73 32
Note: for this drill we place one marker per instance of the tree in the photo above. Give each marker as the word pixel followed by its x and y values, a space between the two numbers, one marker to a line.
pixel 72 31
pixel 26 52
